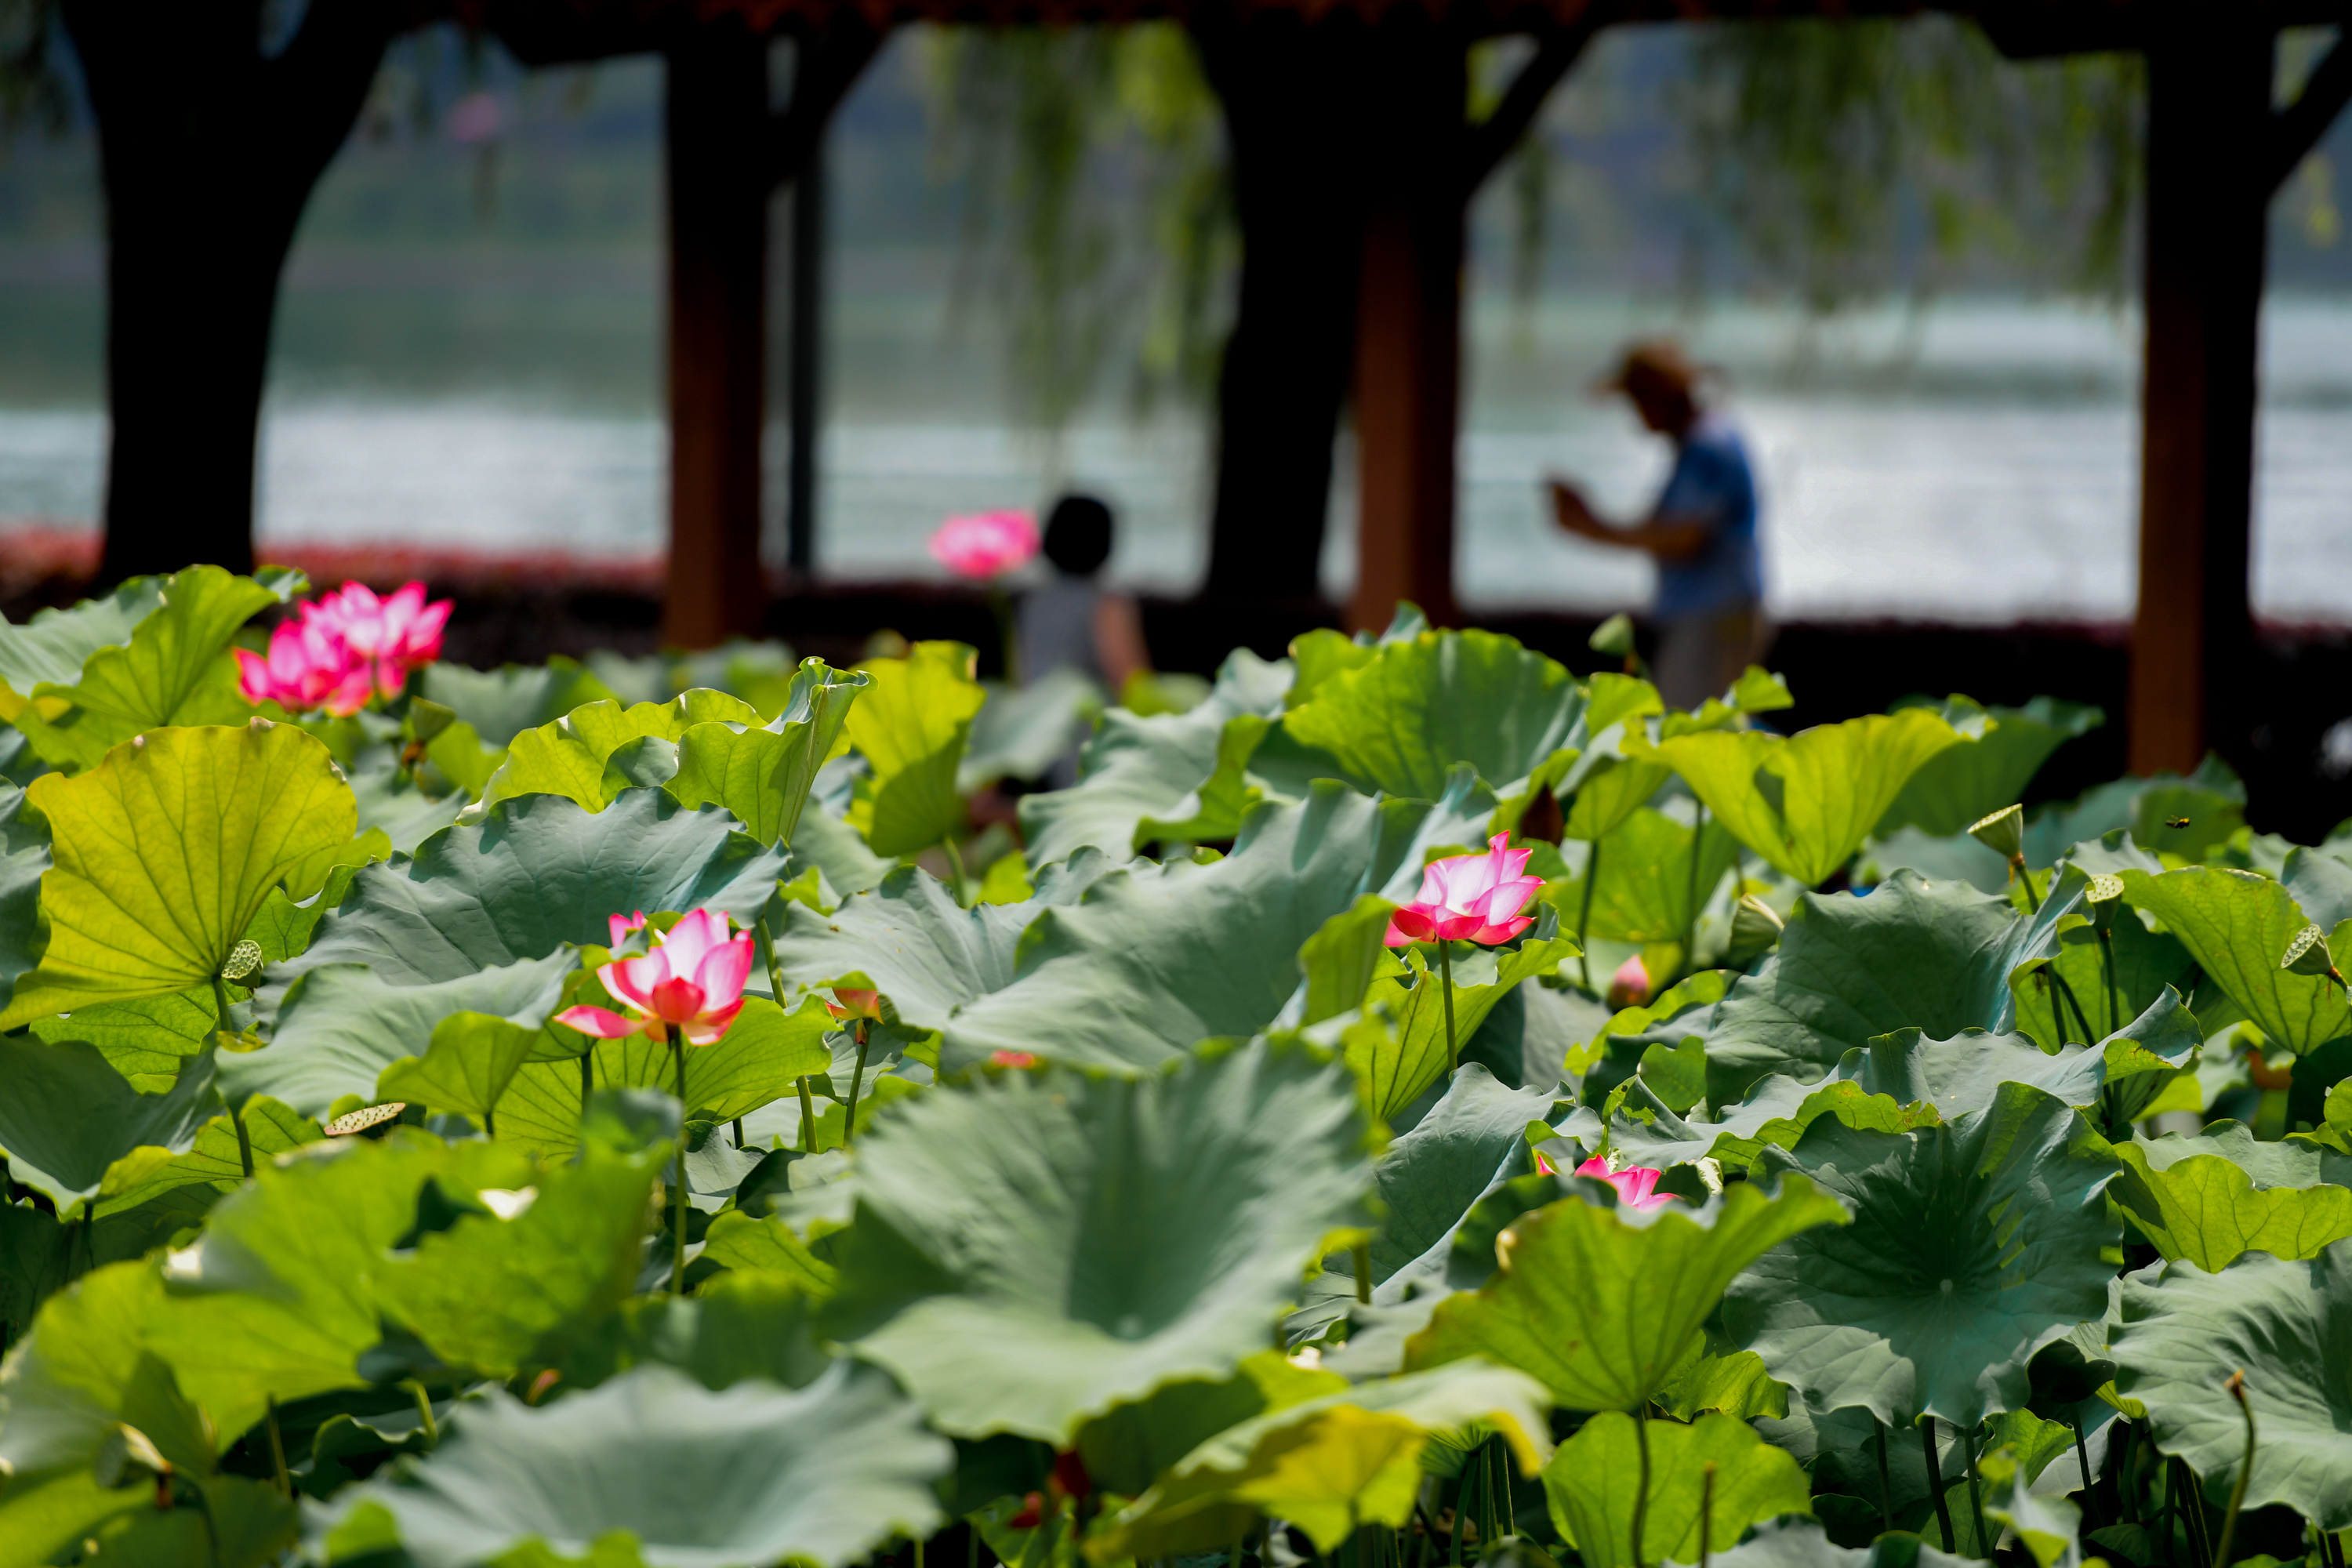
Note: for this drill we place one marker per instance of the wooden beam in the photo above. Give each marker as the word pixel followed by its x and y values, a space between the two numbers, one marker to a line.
pixel 2209 125
pixel 2297 129
pixel 717 198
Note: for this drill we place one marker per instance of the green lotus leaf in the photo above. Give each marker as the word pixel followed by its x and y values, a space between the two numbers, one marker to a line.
pixel 1127 1447
pixel 1603 786
pixel 35 1263
pixel 2213 800
pixel 51 647
pixel 1595 1482
pixel 1215 810
pixel 2048 1527
pixel 736 1326
pixel 1344 955
pixel 472 1059
pixel 507 1289
pixel 66 1115
pixel 760 1059
pixel 2237 925
pixel 1647 880
pixel 1399 722
pixel 1022 730
pixel 1427 1180
pixel 215 1158
pixel 340 1026
pixel 1603 1304
pixel 1399 1049
pixel 762 775
pixel 244 1523
pixel 1735 1385
pixel 1806 802
pixel 1776 1115
pixel 570 756
pixel 1935 956
pixel 1974 1242
pixel 1031 1250
pixel 921 948
pixel 164 852
pixel 1801 1543
pixel 2003 748
pixel 2288 1325
pixel 2203 1208
pixel 683 1477
pixel 2080 1009
pixel 536 873
pixel 1965 1075
pixel 910 726
pixel 1156 959
pixel 1329 1465
pixel 24 858
pixel 2321 883
pixel 497 705
pixel 389 799
pixel 1137 768
pixel 739 1242
pixel 175 668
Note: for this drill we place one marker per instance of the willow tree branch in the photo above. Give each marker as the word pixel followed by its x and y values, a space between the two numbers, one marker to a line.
pixel 1489 141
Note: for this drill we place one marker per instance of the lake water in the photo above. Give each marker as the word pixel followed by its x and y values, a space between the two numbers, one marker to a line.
pixel 1980 465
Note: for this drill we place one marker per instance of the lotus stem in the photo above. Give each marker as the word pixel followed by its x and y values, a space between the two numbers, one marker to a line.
pixel 2083 1457
pixel 2192 1512
pixel 277 1450
pixel 1886 1490
pixel 767 945
pixel 1641 1498
pixel 489 1121
pixel 243 1143
pixel 857 1083
pixel 2066 992
pixel 1461 1519
pixel 808 1118
pixel 955 864
pixel 587 1077
pixel 1584 914
pixel 678 1198
pixel 2017 869
pixel 1446 973
pixel 1506 1521
pixel 1705 1513
pixel 1935 1482
pixel 738 1135
pixel 424 1408
pixel 1363 1262
pixel 2237 1387
pixel 1690 926
pixel 1976 1488
pixel 2107 966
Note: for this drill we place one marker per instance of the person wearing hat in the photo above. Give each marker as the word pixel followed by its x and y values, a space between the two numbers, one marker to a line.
pixel 1701 530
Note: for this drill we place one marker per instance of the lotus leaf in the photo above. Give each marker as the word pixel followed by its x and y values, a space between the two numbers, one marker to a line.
pixel 762 775
pixel 2003 748
pixel 1030 1251
pixel 1596 1480
pixel 1603 1304
pixel 163 853
pixel 2203 1208
pixel 1974 1242
pixel 2237 925
pixel 66 1115
pixel 53 645
pixel 2288 1325
pixel 910 725
pixel 1398 1062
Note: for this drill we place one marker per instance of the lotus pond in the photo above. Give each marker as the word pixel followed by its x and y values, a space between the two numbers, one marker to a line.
pixel 1405 1105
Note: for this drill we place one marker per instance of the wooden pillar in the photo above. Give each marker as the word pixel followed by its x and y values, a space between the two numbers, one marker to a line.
pixel 806 371
pixel 2208 201
pixel 1408 406
pixel 718 196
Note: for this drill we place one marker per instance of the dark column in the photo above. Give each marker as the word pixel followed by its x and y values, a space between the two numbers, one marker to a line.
pixel 717 188
pixel 2208 201
pixel 806 370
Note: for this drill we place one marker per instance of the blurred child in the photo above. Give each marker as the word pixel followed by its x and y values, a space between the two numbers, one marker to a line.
pixel 1071 621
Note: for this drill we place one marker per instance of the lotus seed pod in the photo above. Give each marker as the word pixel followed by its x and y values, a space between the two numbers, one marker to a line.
pixel 364 1120
pixel 2003 832
pixel 2307 954
pixel 243 959
pixel 1615 637
pixel 2105 889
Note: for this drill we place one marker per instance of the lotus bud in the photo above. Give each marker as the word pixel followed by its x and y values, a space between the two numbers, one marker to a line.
pixel 1756 930
pixel 2308 954
pixel 128 1457
pixel 1613 637
pixel 242 960
pixel 2003 833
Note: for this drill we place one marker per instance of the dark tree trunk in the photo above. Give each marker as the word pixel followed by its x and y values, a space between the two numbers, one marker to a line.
pixel 209 151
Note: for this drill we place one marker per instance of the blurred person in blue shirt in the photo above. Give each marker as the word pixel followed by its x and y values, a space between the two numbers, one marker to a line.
pixel 1701 530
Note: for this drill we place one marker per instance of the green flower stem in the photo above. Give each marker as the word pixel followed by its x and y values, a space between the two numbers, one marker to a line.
pixel 2107 966
pixel 857 1083
pixel 1584 912
pixel 424 1408
pixel 1935 1482
pixel 243 1143
pixel 1506 1521
pixel 1461 1519
pixel 1445 973
pixel 767 943
pixel 678 1198
pixel 278 1451
pixel 739 1135
pixel 587 1077
pixel 955 864
pixel 1885 1490
pixel 2082 1457
pixel 1642 1500
pixel 1705 1513
pixel 1976 1488
pixel 1690 927
pixel 2066 993
pixel 2017 869
pixel 2236 1386
pixel 1363 1261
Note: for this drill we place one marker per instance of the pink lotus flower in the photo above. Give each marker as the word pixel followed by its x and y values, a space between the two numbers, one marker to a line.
pixel 1630 986
pixel 1476 896
pixel 986 544
pixel 306 668
pixel 1012 1059
pixel 391 635
pixel 692 981
pixel 1633 1183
